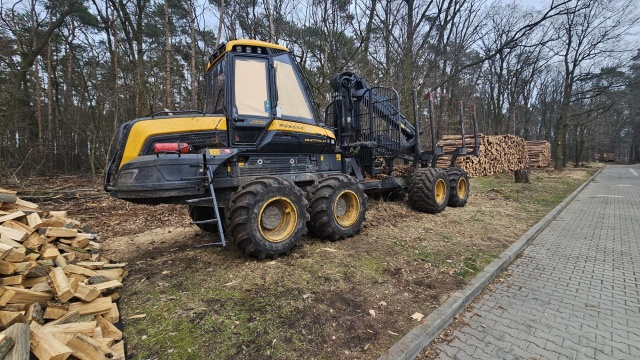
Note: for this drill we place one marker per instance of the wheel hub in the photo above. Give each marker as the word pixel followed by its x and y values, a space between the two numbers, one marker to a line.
pixel 346 208
pixel 272 216
pixel 441 190
pixel 277 219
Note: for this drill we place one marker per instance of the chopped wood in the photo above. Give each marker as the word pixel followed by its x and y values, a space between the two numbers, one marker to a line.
pixel 61 232
pixel 13 215
pixel 31 257
pixel 118 349
pixel 79 242
pixel 102 305
pixel 75 269
pixel 49 251
pixel 86 292
pixel 30 282
pixel 53 221
pixel 69 317
pixel 114 314
pixel 26 204
pixel 92 265
pixel 39 270
pixel 112 274
pixel 87 328
pixel 23 268
pixel 12 280
pixel 6 267
pixel 55 310
pixel 34 241
pixel 43 287
pixel 114 266
pixel 20 333
pixel 60 285
pixel 104 340
pixel 86 348
pixel 6 343
pixel 60 261
pixel 26 296
pixel 8 241
pixel 17 225
pixel 13 234
pixel 108 285
pixel 16 254
pixel 58 214
pixel 5 250
pixel 108 329
pixel 46 346
pixel 8 318
pixel 34 221
pixel 45 262
pixel 7 294
pixel 34 313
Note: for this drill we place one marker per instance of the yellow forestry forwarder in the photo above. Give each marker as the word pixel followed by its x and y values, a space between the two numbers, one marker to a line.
pixel 258 166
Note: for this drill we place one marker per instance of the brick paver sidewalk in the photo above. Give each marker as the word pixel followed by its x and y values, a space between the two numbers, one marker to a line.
pixel 575 292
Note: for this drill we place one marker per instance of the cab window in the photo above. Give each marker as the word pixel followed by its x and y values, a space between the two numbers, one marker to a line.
pixel 214 88
pixel 292 101
pixel 251 94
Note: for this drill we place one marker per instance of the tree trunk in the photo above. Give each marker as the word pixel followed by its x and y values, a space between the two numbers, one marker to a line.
pixel 192 35
pixel 167 50
pixel 220 23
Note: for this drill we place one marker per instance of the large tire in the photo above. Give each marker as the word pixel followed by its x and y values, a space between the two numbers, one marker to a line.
pixel 267 217
pixel 337 207
pixel 429 190
pixel 458 187
pixel 201 213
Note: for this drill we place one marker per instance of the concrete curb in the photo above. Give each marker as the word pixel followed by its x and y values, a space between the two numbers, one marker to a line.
pixel 421 336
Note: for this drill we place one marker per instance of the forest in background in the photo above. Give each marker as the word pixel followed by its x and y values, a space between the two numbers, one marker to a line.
pixel 72 71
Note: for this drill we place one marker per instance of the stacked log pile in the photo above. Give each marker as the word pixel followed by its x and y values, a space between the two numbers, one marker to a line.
pixel 57 291
pixel 497 153
pixel 539 153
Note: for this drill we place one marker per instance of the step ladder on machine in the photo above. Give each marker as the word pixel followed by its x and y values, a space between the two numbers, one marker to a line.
pixel 216 214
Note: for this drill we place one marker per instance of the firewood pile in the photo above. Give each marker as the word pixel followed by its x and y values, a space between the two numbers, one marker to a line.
pixel 539 153
pixel 497 153
pixel 57 290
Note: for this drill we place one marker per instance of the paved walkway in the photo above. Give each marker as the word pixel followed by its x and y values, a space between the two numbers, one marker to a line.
pixel 575 292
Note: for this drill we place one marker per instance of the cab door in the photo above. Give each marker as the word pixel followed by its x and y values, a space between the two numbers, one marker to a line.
pixel 251 108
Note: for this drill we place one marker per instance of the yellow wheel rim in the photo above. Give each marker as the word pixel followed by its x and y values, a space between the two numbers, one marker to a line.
pixel 462 188
pixel 441 191
pixel 277 219
pixel 346 208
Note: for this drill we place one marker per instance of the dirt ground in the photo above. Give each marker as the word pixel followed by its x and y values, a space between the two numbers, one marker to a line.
pixel 327 300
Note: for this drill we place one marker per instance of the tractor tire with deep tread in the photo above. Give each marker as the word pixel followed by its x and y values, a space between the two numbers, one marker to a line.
pixel 267 217
pixel 429 190
pixel 201 213
pixel 337 207
pixel 458 187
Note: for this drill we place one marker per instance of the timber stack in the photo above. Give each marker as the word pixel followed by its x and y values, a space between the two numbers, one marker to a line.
pixel 497 154
pixel 539 153
pixel 57 290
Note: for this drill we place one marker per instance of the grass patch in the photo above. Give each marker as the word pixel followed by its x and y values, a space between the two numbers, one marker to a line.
pixel 345 299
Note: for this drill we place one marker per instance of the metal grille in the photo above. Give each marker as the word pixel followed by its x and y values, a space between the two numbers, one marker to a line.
pixel 279 165
pixel 203 139
pixel 378 121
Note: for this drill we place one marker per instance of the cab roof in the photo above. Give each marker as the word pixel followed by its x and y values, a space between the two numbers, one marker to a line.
pixel 227 47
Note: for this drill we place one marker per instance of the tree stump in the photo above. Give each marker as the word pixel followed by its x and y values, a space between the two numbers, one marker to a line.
pixel 521 176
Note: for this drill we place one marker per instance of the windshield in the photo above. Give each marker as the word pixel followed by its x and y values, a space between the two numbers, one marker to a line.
pixel 292 100
pixel 251 91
